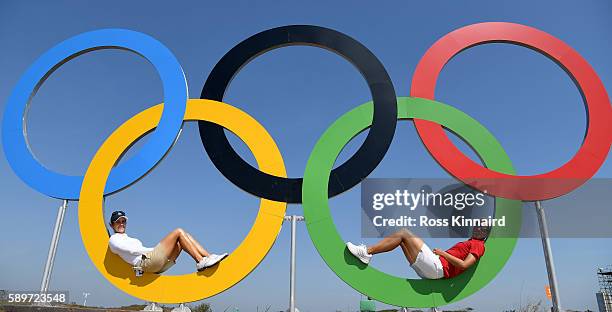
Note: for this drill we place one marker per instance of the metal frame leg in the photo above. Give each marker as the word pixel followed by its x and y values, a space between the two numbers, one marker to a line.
pixel 548 257
pixel 293 220
pixel 59 222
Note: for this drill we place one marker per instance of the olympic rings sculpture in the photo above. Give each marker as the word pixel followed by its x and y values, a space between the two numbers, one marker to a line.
pixel 321 181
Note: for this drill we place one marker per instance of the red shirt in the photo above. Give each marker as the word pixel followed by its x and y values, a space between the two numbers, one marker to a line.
pixel 461 250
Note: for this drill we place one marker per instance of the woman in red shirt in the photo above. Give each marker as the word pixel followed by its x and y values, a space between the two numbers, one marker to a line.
pixel 426 263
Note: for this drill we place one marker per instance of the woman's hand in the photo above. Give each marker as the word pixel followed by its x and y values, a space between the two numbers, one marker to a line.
pixel 438 252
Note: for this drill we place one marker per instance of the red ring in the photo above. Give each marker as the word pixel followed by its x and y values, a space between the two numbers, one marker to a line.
pixel 560 181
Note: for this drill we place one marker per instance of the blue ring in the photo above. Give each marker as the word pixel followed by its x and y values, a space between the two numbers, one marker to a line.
pixel 61 186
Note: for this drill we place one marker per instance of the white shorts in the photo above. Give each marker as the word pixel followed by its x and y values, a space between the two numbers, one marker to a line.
pixel 427 264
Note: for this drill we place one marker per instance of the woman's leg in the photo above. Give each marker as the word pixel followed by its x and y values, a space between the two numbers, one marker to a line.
pixel 175 252
pixel 411 244
pixel 180 236
pixel 386 244
pixel 201 249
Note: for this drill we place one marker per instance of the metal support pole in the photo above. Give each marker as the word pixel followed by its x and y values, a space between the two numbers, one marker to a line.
pixel 293 220
pixel 550 265
pixel 292 267
pixel 59 221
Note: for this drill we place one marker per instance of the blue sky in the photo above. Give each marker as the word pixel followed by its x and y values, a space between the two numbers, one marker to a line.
pixel 524 99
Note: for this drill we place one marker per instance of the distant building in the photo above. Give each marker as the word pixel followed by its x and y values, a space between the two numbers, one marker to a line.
pixel 604 301
pixel 604 296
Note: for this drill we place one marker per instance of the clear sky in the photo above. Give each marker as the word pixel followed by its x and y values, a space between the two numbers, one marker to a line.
pixel 523 98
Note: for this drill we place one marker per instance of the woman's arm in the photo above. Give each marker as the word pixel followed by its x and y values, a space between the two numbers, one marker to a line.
pixel 456 262
pixel 119 245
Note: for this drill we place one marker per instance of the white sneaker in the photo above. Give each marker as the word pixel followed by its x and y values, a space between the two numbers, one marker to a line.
pixel 204 263
pixel 361 252
pixel 218 258
pixel 210 261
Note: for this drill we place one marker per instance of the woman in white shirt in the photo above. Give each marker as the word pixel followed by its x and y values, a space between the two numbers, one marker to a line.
pixel 163 256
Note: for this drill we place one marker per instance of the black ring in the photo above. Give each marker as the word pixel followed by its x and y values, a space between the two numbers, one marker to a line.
pixel 345 176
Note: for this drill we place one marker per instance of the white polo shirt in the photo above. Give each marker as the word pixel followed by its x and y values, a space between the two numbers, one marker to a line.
pixel 128 248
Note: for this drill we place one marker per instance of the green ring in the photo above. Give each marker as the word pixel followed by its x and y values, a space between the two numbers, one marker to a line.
pixel 369 281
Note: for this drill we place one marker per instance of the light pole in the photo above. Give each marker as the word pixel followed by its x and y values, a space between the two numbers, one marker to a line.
pixel 85 294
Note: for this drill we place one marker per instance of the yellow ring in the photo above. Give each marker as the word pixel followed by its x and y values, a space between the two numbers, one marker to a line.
pixel 198 285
